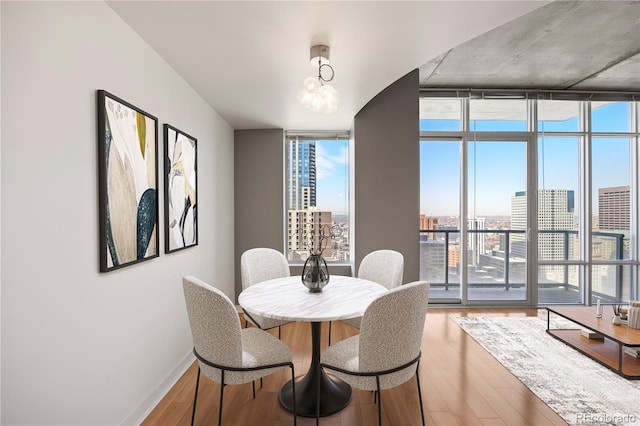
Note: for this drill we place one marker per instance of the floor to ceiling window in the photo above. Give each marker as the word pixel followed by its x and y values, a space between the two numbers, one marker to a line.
pixel 548 190
pixel 440 162
pixel 317 195
pixel 496 256
pixel 496 207
pixel 614 163
pixel 561 154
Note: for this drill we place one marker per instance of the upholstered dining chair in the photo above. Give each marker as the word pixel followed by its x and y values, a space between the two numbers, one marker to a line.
pixel 387 352
pixel 262 264
pixel 383 267
pixel 227 353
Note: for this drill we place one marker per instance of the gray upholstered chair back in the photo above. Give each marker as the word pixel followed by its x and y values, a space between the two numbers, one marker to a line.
pixel 391 331
pixel 215 325
pixel 383 267
pixel 261 264
pixel 226 353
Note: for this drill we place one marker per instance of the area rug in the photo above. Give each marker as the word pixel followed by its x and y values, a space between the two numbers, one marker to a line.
pixel 579 389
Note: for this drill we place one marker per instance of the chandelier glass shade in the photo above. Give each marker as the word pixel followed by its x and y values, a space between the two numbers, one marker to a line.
pixel 316 94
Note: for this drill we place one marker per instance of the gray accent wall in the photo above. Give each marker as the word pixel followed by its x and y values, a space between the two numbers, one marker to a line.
pixel 259 192
pixel 386 182
pixel 387 170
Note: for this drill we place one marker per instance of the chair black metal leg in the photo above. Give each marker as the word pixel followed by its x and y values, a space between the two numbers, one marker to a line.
pixel 253 387
pixel 195 397
pixel 379 401
pixel 293 394
pixel 280 332
pixel 329 333
pixel 221 397
pixel 375 397
pixel 260 382
pixel 420 395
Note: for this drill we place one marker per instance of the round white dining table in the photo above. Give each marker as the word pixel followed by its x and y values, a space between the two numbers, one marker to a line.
pixel 288 299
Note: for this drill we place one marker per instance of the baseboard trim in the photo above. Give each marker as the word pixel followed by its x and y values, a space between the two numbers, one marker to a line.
pixel 143 410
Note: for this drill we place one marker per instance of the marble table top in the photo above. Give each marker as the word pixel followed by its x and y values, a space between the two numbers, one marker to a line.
pixel 288 299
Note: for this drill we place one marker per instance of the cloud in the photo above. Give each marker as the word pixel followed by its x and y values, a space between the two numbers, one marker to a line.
pixel 327 162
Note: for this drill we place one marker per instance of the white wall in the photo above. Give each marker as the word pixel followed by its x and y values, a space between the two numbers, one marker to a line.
pixel 81 347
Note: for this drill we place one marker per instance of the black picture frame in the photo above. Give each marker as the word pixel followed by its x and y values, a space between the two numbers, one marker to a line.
pixel 180 189
pixel 127 183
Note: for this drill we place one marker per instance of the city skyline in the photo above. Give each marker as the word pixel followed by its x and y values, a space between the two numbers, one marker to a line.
pixel 315 168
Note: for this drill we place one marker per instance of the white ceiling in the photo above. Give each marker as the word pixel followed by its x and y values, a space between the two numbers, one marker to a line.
pixel 248 59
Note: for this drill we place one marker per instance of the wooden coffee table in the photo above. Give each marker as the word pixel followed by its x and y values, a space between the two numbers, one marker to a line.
pixel 608 351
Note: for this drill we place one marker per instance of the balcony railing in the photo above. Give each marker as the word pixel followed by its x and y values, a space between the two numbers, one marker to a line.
pixel 502 260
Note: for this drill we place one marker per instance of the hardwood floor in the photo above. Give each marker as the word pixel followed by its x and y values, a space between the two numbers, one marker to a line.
pixel 461 385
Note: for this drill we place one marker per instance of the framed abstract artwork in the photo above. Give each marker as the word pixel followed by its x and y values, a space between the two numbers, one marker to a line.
pixel 128 183
pixel 181 189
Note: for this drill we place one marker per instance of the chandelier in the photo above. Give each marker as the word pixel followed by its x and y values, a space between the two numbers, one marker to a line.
pixel 317 95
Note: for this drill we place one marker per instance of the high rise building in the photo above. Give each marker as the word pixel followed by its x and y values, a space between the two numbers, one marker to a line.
pixel 433 264
pixel 305 230
pixel 304 220
pixel 476 240
pixel 613 208
pixel 428 223
pixel 613 242
pixel 301 174
pixel 556 212
pixel 519 210
pixel 454 256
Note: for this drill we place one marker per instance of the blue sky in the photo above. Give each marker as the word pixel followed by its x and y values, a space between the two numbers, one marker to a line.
pixel 498 169
pixel 332 176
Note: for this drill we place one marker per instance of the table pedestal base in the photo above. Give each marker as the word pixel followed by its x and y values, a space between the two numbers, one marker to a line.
pixel 334 395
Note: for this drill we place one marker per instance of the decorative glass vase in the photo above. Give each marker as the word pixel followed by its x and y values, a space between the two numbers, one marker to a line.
pixel 315 273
